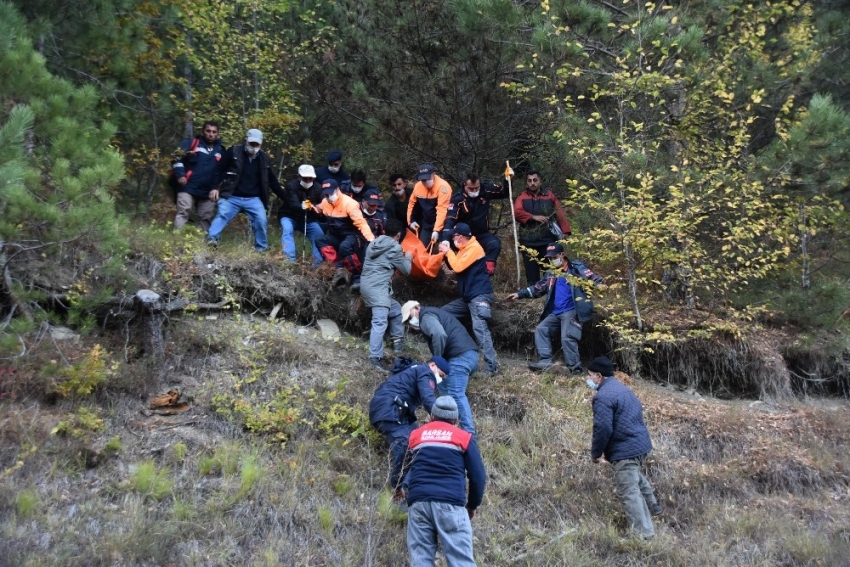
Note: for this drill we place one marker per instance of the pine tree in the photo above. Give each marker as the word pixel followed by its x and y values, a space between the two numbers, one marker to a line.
pixel 57 174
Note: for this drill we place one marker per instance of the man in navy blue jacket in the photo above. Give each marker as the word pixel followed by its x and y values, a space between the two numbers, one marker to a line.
pixel 392 410
pixel 441 458
pixel 620 435
pixel 194 174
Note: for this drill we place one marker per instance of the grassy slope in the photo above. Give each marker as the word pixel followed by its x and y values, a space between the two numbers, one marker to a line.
pixel 742 483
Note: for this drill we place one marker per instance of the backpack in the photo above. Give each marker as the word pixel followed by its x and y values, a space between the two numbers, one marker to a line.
pixel 401 363
pixel 173 184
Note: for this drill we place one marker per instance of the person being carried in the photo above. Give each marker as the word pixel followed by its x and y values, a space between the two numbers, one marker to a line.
pixel 472 207
pixel 534 208
pixel 347 232
pixel 620 435
pixel 244 181
pixel 382 258
pixel 392 410
pixel 442 458
pixel 194 175
pixel 428 204
pixel 296 213
pixel 447 338
pixel 475 289
pixel 567 307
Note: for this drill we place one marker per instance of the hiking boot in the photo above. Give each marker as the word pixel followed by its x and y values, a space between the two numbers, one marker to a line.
pixel 355 283
pixel 655 509
pixel 398 346
pixel 341 276
pixel 578 371
pixel 378 363
pixel 542 365
pixel 212 242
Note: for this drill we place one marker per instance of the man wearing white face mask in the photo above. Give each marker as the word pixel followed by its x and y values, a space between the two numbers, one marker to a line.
pixel 359 186
pixel 567 308
pixel 449 339
pixel 472 207
pixel 296 213
pixel 334 170
pixel 428 205
pixel 244 181
pixel 347 234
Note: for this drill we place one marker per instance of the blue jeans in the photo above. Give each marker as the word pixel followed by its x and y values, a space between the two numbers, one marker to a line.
pixel 479 311
pixel 380 317
pixel 251 206
pixel 454 385
pixel 427 521
pixel 287 238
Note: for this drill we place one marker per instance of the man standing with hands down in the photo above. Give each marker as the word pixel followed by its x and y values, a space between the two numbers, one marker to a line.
pixel 442 458
pixel 428 204
pixel 620 435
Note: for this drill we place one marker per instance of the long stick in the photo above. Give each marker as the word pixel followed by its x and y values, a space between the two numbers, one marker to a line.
pixel 513 223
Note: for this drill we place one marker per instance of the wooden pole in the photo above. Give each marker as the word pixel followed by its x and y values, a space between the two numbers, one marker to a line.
pixel 513 223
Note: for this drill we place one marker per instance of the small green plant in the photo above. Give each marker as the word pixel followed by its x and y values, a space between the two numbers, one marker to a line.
pixel 113 445
pixel 178 451
pixel 250 474
pixel 342 485
pixel 207 466
pixel 326 519
pixel 148 480
pixel 79 425
pixel 81 377
pixel 25 503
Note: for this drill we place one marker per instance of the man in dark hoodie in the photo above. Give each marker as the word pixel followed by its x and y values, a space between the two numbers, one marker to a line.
pixel 382 258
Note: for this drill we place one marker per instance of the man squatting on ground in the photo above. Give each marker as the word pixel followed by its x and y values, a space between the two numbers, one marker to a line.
pixel 347 231
pixel 392 410
pixel 442 457
pixel 382 257
pixel 620 435
pixel 244 180
pixel 567 308
pixel 447 338
pixel 195 173
pixel 475 288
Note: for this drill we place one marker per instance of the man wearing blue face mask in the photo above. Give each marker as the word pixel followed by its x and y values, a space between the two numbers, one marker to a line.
pixel 620 435
pixel 568 307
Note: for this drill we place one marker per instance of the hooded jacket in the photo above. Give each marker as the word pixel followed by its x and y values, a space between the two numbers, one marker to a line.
pixel 382 258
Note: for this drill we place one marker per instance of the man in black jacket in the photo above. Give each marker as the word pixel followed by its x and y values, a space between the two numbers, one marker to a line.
pixel 296 213
pixel 244 181
pixel 392 410
pixel 396 206
pixel 620 435
pixel 447 338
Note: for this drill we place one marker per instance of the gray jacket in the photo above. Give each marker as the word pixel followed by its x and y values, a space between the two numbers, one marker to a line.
pixel 383 256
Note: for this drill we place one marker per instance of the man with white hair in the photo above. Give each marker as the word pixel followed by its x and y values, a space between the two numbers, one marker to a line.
pixel 243 182
pixel 296 213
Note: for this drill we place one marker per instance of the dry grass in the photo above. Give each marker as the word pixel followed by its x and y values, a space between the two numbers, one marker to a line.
pixel 742 483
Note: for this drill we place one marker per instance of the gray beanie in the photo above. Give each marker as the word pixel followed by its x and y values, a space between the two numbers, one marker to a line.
pixel 445 408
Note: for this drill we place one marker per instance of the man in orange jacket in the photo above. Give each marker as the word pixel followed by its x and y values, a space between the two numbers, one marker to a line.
pixel 476 291
pixel 347 232
pixel 428 204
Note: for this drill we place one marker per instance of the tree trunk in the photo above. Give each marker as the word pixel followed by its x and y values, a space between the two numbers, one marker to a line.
pixel 804 246
pixel 631 267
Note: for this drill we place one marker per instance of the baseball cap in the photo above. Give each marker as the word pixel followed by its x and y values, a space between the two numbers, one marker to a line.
pixel 425 171
pixel 254 135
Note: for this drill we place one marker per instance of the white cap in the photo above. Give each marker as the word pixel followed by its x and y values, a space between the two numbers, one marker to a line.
pixel 406 309
pixel 306 170
pixel 254 135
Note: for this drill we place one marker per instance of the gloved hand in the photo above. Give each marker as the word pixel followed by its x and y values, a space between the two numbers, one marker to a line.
pixel 509 172
pixel 446 242
pixel 444 247
pixel 306 205
pixel 434 236
pixel 414 225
